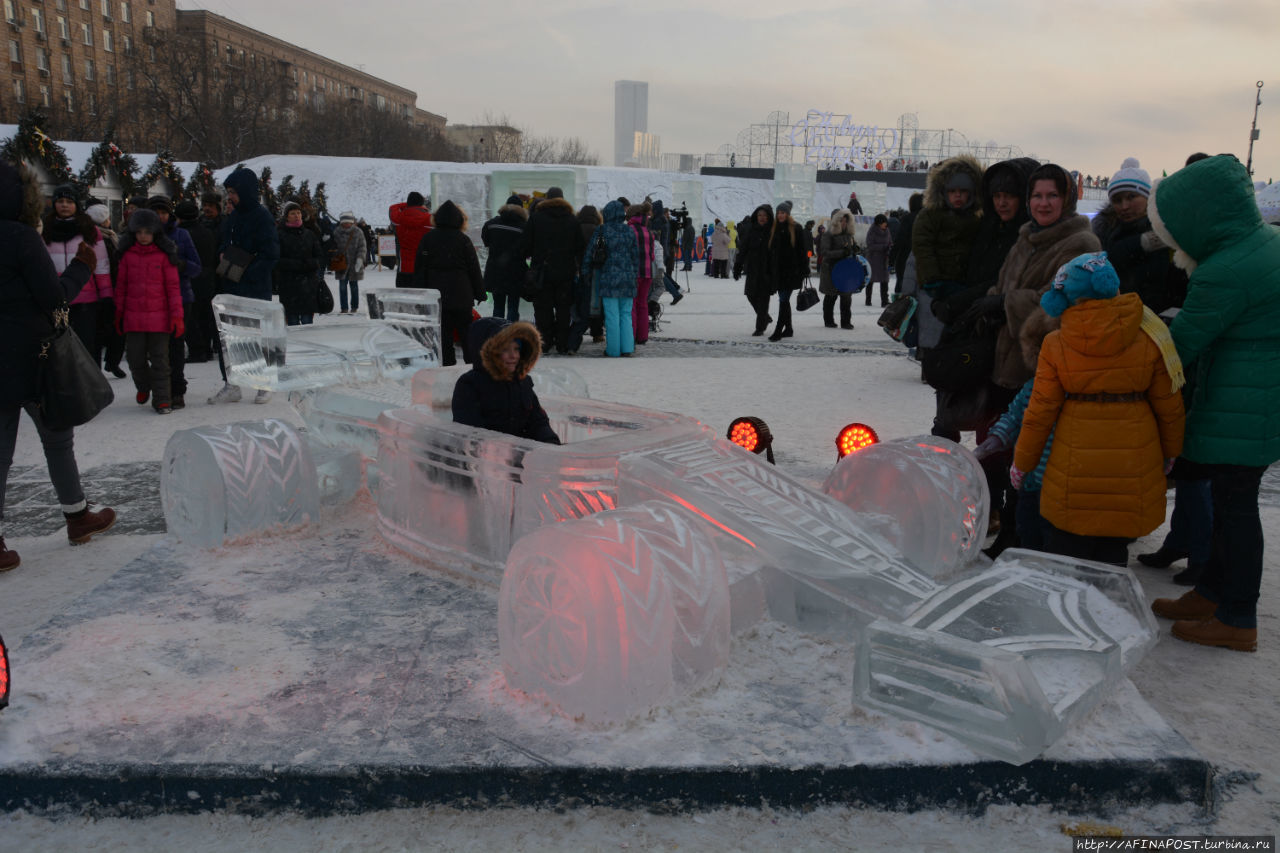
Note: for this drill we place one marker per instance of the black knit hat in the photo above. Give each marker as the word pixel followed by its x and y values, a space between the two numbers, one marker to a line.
pixel 160 202
pixel 515 199
pixel 415 199
pixel 211 198
pixel 555 192
pixel 187 210
pixel 68 192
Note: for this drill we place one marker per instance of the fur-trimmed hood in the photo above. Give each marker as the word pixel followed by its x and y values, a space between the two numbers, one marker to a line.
pixel 555 207
pixel 20 199
pixel 488 337
pixel 516 211
pixel 1204 208
pixel 841 222
pixel 935 188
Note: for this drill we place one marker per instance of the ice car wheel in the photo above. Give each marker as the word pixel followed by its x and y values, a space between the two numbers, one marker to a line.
pixel 220 482
pixel 614 614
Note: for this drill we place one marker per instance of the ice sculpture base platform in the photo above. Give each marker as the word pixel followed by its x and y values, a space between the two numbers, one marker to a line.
pixel 321 671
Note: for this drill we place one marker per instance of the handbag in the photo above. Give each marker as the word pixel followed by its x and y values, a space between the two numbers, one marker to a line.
pixel 807 297
pixel 963 357
pixel 531 287
pixel 338 262
pixel 235 261
pixel 324 297
pixel 70 387
pixel 896 318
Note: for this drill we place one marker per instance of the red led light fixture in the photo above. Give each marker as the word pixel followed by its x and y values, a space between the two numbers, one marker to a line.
pixel 752 434
pixel 853 438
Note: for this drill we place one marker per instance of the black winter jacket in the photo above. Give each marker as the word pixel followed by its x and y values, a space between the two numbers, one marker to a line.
pixel 298 270
pixel 447 262
pixel 553 240
pixel 504 235
pixel 482 397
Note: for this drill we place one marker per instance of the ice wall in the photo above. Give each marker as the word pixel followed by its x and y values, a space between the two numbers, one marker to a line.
pixel 797 183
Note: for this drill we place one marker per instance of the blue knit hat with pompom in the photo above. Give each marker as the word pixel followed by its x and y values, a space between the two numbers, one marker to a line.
pixel 1088 276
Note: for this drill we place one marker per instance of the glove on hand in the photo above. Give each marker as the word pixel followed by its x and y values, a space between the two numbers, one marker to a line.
pixel 178 327
pixel 990 447
pixel 1151 242
pixel 120 324
pixel 1015 477
pixel 86 255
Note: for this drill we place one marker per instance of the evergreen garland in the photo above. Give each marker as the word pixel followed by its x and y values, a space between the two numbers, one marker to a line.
pixel 201 181
pixel 32 145
pixel 304 192
pixel 162 166
pixel 321 200
pixel 108 156
pixel 286 190
pixel 268 195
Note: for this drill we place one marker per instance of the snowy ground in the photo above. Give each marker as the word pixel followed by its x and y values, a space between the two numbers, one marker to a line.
pixel 705 364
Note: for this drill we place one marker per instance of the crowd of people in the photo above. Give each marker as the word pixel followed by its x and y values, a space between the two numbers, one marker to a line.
pixel 1092 359
pixel 1095 359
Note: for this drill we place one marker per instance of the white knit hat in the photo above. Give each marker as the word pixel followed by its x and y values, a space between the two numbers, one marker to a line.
pixel 1131 178
pixel 98 213
pixel 347 216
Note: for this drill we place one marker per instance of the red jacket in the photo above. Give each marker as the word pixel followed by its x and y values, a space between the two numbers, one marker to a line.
pixel 412 224
pixel 148 297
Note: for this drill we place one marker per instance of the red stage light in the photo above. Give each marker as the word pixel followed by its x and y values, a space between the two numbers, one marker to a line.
pixel 4 674
pixel 853 438
pixel 751 434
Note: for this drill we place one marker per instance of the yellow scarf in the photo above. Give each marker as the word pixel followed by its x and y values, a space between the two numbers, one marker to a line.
pixel 1159 332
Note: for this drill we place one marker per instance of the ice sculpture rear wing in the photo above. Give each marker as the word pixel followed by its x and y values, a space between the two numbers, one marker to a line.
pixel 260 353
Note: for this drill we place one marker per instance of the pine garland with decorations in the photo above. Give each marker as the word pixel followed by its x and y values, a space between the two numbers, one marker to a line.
pixel 162 167
pixel 107 155
pixel 320 199
pixel 31 144
pixel 304 192
pixel 201 181
pixel 268 195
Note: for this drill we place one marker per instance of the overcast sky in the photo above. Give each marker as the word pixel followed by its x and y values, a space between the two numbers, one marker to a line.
pixel 1083 82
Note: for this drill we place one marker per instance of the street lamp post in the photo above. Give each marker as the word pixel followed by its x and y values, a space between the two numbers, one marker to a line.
pixel 1253 131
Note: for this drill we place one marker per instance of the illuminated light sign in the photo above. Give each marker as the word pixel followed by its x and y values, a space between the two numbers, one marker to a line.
pixel 833 142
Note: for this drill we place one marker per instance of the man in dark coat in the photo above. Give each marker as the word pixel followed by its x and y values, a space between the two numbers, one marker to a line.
pixel 553 242
pixel 497 393
pixel 504 270
pixel 250 228
pixel 902 242
pixel 447 262
pixel 202 335
pixel 687 239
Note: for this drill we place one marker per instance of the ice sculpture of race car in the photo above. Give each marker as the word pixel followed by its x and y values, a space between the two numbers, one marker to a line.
pixel 625 557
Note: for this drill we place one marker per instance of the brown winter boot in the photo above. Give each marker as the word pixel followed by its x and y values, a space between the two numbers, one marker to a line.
pixel 8 559
pixel 1192 605
pixel 1211 632
pixel 85 524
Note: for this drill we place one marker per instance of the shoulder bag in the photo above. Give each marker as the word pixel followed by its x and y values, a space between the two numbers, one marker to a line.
pixel 324 297
pixel 70 387
pixel 807 297
pixel 235 261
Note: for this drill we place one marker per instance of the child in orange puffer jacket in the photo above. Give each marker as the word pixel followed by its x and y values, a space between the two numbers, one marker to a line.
pixel 148 306
pixel 1106 386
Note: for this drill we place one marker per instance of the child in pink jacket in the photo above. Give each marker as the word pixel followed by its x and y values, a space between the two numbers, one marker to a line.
pixel 148 306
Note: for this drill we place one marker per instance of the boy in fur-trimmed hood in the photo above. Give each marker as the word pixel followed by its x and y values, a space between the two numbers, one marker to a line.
pixel 497 393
